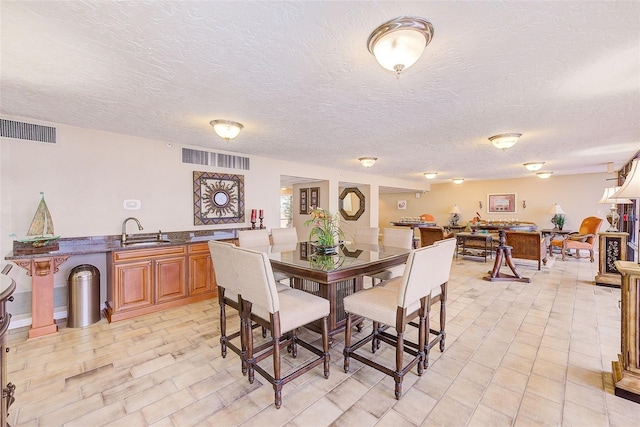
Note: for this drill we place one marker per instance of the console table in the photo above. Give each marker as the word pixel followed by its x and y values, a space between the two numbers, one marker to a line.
pixel 626 370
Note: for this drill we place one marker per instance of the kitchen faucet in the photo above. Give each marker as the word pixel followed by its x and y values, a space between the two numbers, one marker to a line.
pixel 124 228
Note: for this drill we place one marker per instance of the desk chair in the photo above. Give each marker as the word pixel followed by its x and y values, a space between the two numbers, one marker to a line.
pixel 281 313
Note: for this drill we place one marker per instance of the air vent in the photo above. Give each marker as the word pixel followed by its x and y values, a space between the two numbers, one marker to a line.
pixel 28 131
pixel 209 158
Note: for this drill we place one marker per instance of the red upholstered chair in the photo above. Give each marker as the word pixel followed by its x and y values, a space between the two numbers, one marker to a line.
pixel 585 238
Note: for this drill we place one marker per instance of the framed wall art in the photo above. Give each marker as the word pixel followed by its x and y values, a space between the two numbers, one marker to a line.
pixel 501 203
pixel 314 198
pixel 402 204
pixel 218 198
pixel 304 201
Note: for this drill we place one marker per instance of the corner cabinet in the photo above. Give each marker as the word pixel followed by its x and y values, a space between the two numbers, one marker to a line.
pixel 142 281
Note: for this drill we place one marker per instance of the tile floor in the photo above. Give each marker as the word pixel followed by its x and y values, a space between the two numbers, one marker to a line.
pixel 517 354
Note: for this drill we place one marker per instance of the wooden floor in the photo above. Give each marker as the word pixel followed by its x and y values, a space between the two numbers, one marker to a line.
pixel 517 354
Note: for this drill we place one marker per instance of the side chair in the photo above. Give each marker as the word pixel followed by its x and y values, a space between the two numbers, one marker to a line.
pixel 585 238
pixel 396 238
pixel 282 313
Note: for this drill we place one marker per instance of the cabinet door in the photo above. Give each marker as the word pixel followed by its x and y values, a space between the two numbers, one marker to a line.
pixel 133 286
pixel 170 279
pixel 200 274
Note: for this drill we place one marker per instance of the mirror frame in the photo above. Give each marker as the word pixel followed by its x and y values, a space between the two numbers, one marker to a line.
pixel 359 195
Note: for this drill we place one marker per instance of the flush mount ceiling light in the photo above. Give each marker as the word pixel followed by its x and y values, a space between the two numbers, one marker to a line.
pixel 505 140
pixel 544 175
pixel 430 175
pixel 458 180
pixel 367 162
pixel 226 129
pixel 533 166
pixel 398 44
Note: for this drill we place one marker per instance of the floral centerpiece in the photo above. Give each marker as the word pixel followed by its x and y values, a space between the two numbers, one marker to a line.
pixel 325 233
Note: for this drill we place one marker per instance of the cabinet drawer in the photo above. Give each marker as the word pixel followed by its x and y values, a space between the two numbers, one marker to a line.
pixel 149 253
pixel 198 247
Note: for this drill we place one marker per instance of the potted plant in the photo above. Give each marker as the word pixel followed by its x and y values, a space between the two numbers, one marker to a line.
pixel 325 233
pixel 558 221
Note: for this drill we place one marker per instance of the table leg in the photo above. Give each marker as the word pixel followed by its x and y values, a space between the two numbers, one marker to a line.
pixel 504 252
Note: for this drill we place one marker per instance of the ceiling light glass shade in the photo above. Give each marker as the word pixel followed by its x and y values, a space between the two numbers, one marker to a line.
pixel 226 129
pixel 609 197
pixel 430 175
pixel 505 140
pixel 533 166
pixel 544 175
pixel 367 162
pixel 455 210
pixel 556 209
pixel 458 180
pixel 398 44
pixel 631 187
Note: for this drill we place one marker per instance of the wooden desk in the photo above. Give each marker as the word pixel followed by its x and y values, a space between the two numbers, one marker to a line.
pixel 503 252
pixel 626 370
pixel 334 276
pixel 413 225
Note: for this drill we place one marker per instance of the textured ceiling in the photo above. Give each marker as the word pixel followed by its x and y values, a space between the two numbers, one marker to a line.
pixel 299 77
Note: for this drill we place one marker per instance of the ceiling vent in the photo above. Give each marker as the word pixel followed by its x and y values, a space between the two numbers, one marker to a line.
pixel 27 131
pixel 209 158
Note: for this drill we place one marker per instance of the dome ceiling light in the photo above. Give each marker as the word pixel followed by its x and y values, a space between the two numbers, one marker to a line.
pixel 367 162
pixel 533 166
pixel 226 129
pixel 504 140
pixel 398 44
pixel 430 175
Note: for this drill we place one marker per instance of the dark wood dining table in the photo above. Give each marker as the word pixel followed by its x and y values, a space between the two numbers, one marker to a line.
pixel 333 276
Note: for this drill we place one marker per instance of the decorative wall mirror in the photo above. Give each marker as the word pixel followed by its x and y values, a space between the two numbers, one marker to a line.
pixel 351 204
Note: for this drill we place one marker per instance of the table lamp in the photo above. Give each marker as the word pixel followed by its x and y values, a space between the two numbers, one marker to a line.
pixel 558 216
pixel 455 216
pixel 608 197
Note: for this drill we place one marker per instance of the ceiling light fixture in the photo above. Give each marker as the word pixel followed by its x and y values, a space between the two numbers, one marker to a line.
pixel 505 140
pixel 367 162
pixel 398 44
pixel 430 175
pixel 533 166
pixel 544 175
pixel 226 129
pixel 458 180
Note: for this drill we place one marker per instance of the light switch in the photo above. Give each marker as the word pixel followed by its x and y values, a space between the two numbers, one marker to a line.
pixel 131 204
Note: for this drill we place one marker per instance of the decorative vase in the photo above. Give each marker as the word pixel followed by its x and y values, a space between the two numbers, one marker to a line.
pixel 325 250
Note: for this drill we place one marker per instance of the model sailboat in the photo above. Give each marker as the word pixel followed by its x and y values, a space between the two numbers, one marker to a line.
pixel 41 229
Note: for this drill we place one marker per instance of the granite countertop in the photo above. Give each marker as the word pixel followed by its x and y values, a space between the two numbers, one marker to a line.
pixel 102 244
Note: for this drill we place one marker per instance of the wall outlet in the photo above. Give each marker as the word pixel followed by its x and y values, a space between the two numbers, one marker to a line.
pixel 131 204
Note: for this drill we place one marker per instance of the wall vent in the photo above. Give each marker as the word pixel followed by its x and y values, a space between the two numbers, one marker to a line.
pixel 209 158
pixel 28 131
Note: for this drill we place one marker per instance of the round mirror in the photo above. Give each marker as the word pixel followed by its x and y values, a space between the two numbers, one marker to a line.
pixel 351 204
pixel 220 198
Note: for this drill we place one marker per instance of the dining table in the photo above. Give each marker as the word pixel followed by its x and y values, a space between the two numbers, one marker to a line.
pixel 333 276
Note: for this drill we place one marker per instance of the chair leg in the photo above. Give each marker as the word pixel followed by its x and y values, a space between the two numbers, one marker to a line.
pixel 398 373
pixel 223 324
pixel 347 342
pixel 422 342
pixel 591 253
pixel 247 340
pixel 325 345
pixel 443 314
pixel 375 342
pixel 277 383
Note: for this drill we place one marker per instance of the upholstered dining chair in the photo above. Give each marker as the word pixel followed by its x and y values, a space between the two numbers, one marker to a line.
pixel 397 238
pixel 282 313
pixel 366 235
pixel 585 238
pixel 430 235
pixel 253 238
pixel 439 275
pixel 283 236
pixel 396 307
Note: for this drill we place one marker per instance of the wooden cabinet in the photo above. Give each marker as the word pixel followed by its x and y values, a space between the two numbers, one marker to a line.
pixel 613 247
pixel 201 276
pixel 141 281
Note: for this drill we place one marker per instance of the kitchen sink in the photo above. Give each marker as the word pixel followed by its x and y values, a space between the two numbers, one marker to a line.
pixel 148 242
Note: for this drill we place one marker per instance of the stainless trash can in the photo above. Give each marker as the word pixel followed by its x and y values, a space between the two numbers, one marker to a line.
pixel 84 296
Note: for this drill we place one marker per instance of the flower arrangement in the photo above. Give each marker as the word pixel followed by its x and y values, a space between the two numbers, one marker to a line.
pixel 325 231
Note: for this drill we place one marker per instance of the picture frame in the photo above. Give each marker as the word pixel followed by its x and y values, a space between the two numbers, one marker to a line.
pixel 218 198
pixel 304 201
pixel 502 203
pixel 314 198
pixel 402 205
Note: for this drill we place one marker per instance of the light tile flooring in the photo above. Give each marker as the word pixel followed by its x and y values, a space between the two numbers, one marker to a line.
pixel 517 354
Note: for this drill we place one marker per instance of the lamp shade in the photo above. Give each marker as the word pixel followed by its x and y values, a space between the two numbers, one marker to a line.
pixel 631 187
pixel 398 44
pixel 455 210
pixel 556 209
pixel 226 129
pixel 609 197
pixel 505 140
